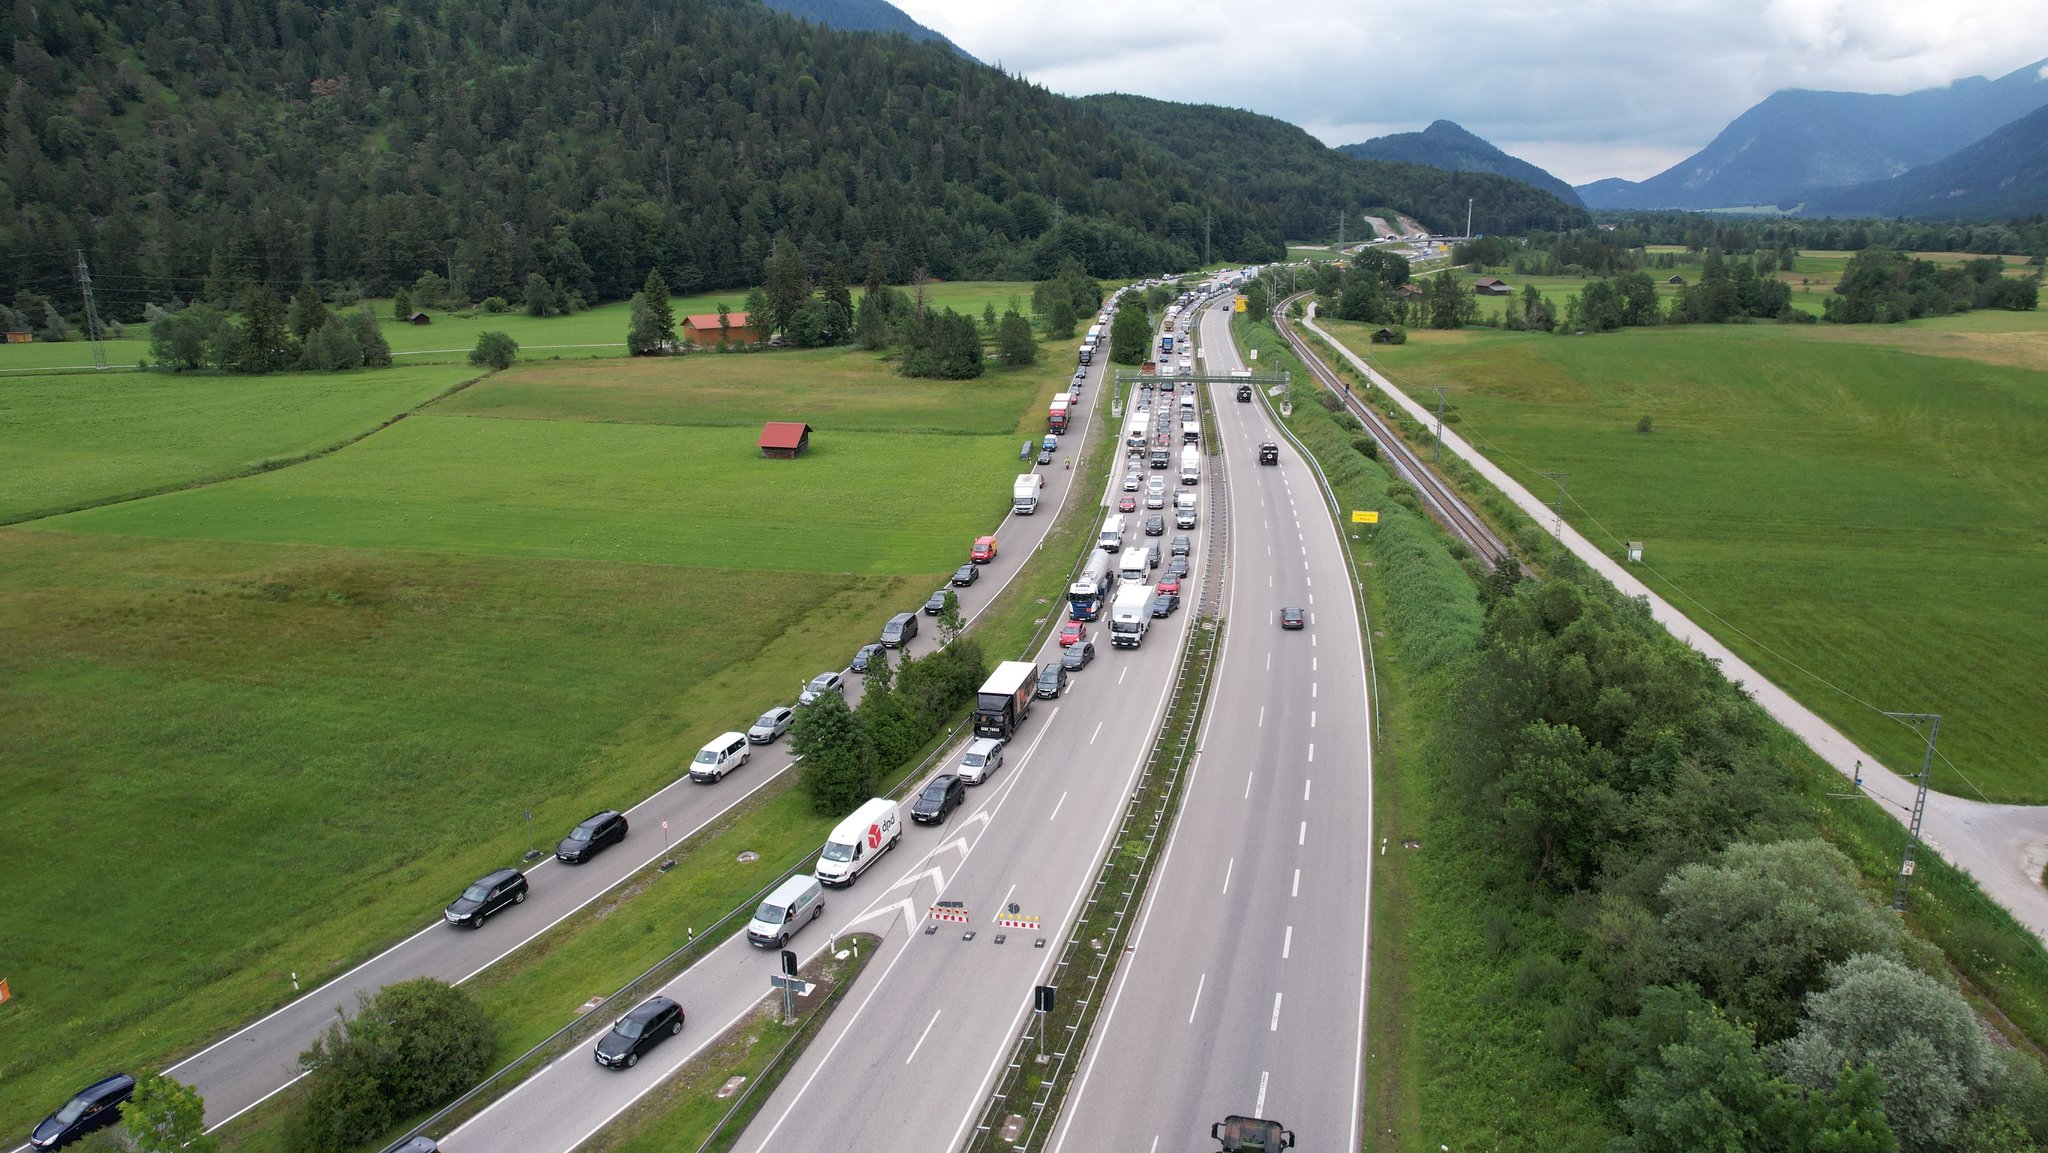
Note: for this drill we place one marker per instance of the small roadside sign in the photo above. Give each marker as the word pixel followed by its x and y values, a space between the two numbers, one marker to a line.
pixel 6 994
pixel 1365 516
pixel 664 825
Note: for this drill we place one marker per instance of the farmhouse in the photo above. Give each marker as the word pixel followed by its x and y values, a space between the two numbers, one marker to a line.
pixel 705 329
pixel 419 318
pixel 785 439
pixel 1412 289
pixel 1488 286
pixel 1676 280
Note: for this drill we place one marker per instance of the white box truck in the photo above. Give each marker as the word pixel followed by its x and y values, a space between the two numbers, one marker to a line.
pixel 1190 465
pixel 1025 493
pixel 1130 614
pixel 857 841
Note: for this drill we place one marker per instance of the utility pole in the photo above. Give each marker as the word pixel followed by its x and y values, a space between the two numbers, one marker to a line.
pixel 92 316
pixel 1559 478
pixel 1933 722
pixel 1439 426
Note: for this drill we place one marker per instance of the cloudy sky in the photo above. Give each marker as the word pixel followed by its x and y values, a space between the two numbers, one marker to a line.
pixel 1584 88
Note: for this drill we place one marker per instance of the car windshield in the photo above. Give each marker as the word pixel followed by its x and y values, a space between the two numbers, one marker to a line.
pixel 629 1028
pixel 580 833
pixel 935 793
pixel 477 893
pixel 73 1109
pixel 973 760
pixel 834 851
pixel 707 757
pixel 767 721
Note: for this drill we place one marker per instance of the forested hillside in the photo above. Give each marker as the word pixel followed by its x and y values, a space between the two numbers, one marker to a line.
pixel 187 143
pixel 1308 183
pixel 1447 145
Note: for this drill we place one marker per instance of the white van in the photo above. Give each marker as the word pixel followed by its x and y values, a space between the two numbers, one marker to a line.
pixel 1112 537
pixel 1131 567
pixel 722 755
pixel 794 904
pixel 1184 510
pixel 1190 431
pixel 872 830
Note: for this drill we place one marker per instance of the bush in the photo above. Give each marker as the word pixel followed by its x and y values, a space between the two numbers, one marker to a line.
pixel 1366 446
pixel 413 1046
pixel 495 305
pixel 494 350
pixel 1643 425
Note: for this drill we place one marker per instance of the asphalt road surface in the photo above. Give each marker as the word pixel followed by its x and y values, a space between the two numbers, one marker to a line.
pixel 1245 992
pixel 249 1066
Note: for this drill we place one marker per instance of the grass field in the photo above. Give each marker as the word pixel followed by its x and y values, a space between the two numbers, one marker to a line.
pixel 304 706
pixel 71 440
pixel 1865 520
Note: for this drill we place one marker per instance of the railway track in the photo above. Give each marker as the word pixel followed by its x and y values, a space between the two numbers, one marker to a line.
pixel 1443 503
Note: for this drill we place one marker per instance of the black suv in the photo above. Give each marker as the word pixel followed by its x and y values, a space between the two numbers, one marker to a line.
pixel 654 1021
pixel 939 798
pixel 95 1107
pixel 592 837
pixel 493 891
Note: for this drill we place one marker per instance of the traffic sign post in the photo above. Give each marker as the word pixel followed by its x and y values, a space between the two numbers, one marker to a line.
pixel 667 862
pixel 788 993
pixel 1042 999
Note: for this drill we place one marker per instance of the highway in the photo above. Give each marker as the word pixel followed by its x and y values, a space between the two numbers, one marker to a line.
pixel 906 1059
pixel 247 1067
pixel 1245 992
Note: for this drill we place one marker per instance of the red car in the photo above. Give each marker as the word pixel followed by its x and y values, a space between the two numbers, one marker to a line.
pixel 1169 585
pixel 1072 633
pixel 984 550
pixel 1129 503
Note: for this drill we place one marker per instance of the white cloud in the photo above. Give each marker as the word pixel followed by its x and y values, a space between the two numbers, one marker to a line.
pixel 1600 87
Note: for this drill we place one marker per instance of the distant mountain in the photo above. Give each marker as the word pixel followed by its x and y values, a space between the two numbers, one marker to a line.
pixel 860 16
pixel 2004 174
pixel 1281 167
pixel 1797 141
pixel 1447 145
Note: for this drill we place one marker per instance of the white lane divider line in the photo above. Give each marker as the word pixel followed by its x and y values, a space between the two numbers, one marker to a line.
pixel 1248 784
pixel 1303 839
pixel 1260 1109
pixel 1054 817
pixel 1096 733
pixel 1232 864
pixel 1311 718
pixel 921 1036
pixel 1275 1028
pixel 1311 753
pixel 1286 947
pixel 1306 786
pixel 1198 998
pixel 1262 716
pixel 1297 884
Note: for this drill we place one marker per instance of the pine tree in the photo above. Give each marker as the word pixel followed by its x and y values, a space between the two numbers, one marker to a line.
pixel 262 337
pixel 1014 342
pixel 308 314
pixel 660 314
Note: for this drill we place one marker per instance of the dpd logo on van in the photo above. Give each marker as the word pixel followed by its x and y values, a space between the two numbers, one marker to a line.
pixel 874 836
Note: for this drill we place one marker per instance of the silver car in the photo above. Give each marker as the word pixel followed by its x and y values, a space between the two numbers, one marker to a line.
pixel 772 724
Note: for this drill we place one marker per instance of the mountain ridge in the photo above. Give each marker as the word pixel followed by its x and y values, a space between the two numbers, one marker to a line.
pixel 2004 174
pixel 1449 145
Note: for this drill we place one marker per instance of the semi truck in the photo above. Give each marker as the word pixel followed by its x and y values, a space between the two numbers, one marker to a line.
pixel 1130 614
pixel 1025 493
pixel 1086 597
pixel 1005 699
pixel 1166 343
pixel 1056 413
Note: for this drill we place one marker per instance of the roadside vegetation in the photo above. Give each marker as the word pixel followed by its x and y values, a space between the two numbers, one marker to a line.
pixel 1597 944
pixel 290 687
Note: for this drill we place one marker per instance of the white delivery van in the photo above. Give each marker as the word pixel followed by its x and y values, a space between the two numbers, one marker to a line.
pixel 1190 431
pixel 724 754
pixel 1112 537
pixel 872 830
pixel 794 904
pixel 1184 510
pixel 1132 565
pixel 1190 465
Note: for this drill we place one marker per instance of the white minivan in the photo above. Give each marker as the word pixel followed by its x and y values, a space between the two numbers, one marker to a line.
pixel 794 904
pixel 1112 536
pixel 857 841
pixel 722 755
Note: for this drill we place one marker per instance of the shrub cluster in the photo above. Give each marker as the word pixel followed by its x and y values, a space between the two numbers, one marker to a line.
pixel 413 1046
pixel 846 751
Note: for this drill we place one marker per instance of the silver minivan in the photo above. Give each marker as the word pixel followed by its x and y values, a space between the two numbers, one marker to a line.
pixel 983 757
pixel 794 904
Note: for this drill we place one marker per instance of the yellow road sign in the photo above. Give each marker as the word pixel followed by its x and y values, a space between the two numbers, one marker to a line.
pixel 1365 517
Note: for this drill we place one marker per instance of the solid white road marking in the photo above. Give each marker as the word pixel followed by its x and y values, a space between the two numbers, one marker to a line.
pixel 1286 946
pixel 1275 1028
pixel 921 1036
pixel 1232 864
pixel 1056 807
pixel 1198 998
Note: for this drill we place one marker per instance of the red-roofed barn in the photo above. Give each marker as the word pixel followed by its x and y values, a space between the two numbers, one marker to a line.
pixel 786 439
pixel 705 329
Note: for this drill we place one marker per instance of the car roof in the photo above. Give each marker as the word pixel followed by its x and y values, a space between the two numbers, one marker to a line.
pixel 499 875
pixel 984 743
pixel 600 818
pixel 647 1009
pixel 111 1083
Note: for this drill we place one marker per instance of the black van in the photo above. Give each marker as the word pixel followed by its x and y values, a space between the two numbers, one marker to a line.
pixel 899 630
pixel 96 1106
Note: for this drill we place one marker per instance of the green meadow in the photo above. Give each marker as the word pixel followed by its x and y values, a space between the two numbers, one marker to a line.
pixel 1857 516
pixel 268 725
pixel 72 440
